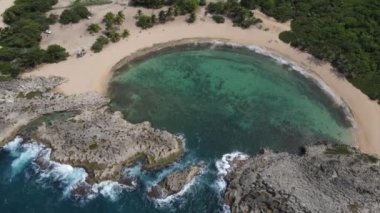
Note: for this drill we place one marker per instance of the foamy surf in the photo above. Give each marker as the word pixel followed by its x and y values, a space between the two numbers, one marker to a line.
pixel 71 180
pixel 223 166
pixel 179 195
pixel 110 189
pixel 23 153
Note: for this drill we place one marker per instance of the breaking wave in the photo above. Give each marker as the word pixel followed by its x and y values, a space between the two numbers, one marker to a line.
pixel 223 166
pixel 71 180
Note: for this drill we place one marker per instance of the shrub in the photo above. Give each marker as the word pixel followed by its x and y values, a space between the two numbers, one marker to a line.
pixel 99 44
pixel 187 6
pixel 113 36
pixel 9 54
pixel 74 14
pixel 93 28
pixel 55 53
pixel 53 18
pixel 162 16
pixel 144 21
pixel 249 4
pixel 191 18
pixel 125 34
pixel 8 69
pixel 218 19
pixel 69 16
pixel 287 37
pixel 32 57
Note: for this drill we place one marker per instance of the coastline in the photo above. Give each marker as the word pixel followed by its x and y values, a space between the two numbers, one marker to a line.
pixel 93 72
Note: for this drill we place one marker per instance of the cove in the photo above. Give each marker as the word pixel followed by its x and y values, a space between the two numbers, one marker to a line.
pixel 224 99
pixel 221 99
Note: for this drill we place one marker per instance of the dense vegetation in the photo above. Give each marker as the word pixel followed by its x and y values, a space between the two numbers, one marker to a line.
pixel 343 32
pixel 145 21
pixel 177 7
pixel 238 14
pixel 185 6
pixel 20 40
pixel 74 14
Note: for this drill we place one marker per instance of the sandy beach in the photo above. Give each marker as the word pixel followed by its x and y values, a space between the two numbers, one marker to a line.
pixel 92 72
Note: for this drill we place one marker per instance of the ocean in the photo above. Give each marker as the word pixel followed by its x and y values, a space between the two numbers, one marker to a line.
pixel 226 102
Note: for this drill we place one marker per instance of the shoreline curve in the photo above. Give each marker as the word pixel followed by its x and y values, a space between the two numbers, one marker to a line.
pixel 93 72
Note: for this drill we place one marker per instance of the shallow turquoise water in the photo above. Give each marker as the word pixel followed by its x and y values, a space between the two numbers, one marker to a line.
pixel 220 100
pixel 226 100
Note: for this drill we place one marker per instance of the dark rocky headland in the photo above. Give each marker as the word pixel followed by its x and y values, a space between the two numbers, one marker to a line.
pixel 322 178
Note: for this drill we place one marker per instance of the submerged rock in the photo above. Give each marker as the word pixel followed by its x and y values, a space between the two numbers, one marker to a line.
pixel 326 178
pixel 175 182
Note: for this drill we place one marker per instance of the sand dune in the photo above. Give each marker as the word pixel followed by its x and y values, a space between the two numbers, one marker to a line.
pixel 92 72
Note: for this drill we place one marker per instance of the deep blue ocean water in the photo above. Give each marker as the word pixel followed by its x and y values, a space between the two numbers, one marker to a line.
pixel 220 100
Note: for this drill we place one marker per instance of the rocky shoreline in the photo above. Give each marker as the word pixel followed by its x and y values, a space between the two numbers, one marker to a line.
pixel 96 139
pixel 322 178
pixel 174 182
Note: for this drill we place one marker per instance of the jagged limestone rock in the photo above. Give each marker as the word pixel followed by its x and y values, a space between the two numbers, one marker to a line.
pixel 103 142
pixel 174 182
pixel 22 100
pixel 326 178
pixel 99 140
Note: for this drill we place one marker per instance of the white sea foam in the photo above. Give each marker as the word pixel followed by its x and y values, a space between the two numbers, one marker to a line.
pixel 12 146
pixel 23 154
pixel 224 166
pixel 67 176
pixel 110 189
pixel 281 60
pixel 177 196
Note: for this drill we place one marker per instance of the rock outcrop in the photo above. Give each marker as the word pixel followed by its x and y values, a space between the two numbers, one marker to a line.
pixel 99 140
pixel 323 178
pixel 103 142
pixel 174 182
pixel 22 100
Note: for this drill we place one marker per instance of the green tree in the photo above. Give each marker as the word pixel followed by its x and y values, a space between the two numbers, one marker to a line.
pixel 99 44
pixel 113 36
pixel 93 28
pixel 218 19
pixel 55 54
pixel 32 57
pixel 191 18
pixel 144 21
pixel 74 14
pixel 109 20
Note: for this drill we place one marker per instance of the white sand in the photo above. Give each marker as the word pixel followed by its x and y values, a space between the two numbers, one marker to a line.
pixel 92 72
